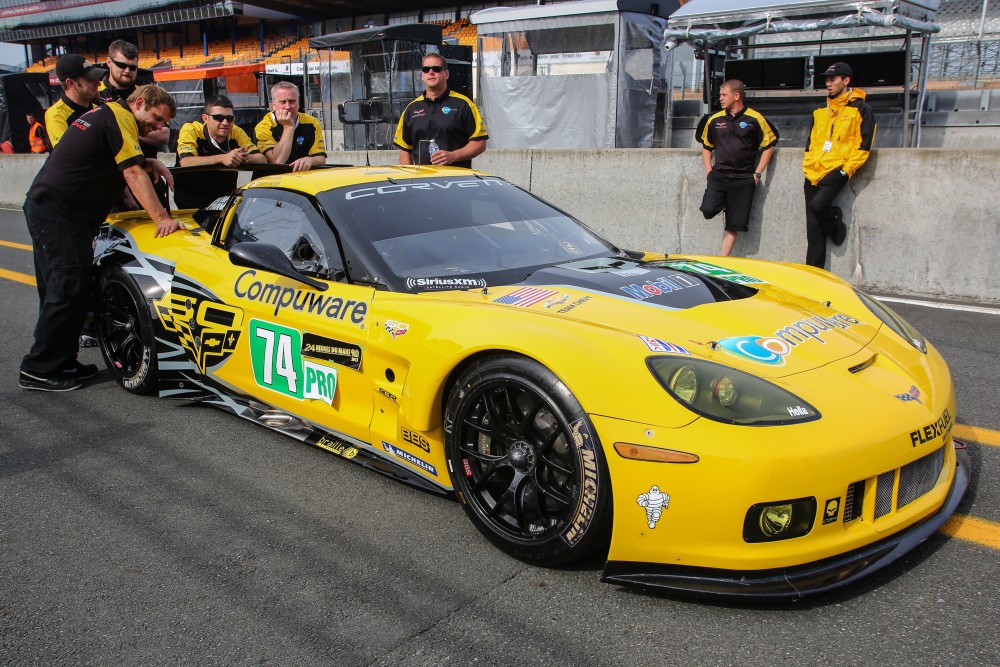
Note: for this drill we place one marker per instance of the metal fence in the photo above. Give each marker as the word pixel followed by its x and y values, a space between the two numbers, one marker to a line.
pixel 967 50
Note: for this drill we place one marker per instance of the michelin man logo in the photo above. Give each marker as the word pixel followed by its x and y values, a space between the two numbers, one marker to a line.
pixel 655 503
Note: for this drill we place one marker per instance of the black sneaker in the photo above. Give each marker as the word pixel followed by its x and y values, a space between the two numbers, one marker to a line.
pixel 33 382
pixel 86 340
pixel 839 232
pixel 80 371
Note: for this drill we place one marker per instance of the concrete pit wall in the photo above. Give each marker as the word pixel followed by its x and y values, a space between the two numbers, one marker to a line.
pixel 920 221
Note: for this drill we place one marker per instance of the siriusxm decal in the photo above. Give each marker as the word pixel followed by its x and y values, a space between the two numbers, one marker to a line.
pixel 771 350
pixel 445 283
pixel 409 458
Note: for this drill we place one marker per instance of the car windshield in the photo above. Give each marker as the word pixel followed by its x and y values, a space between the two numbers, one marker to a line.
pixel 458 231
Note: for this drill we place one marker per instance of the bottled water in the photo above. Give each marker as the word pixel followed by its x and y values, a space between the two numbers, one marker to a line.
pixel 432 148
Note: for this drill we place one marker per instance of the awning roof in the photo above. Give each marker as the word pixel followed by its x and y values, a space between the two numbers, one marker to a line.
pixel 496 14
pixel 422 33
pixel 736 11
pixel 716 20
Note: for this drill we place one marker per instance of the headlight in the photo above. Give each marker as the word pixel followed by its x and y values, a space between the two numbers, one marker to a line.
pixel 782 520
pixel 894 321
pixel 728 395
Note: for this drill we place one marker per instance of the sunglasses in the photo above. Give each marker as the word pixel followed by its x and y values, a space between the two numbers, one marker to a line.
pixel 123 65
pixel 220 117
pixel 432 68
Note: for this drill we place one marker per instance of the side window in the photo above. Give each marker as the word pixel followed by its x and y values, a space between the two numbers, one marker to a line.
pixel 291 223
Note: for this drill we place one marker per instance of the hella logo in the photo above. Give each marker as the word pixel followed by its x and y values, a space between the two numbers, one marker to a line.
pixel 797 411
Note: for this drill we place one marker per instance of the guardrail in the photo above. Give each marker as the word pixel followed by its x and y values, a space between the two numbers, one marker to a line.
pixel 920 222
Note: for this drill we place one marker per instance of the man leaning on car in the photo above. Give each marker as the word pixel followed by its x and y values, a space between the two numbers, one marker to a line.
pixel 66 204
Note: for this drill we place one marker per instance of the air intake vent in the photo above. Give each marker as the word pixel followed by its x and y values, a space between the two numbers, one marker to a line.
pixel 854 502
pixel 863 365
pixel 883 493
pixel 917 478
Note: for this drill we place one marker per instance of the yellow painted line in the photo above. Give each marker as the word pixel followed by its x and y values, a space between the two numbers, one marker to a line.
pixel 983 436
pixel 971 529
pixel 19 246
pixel 17 277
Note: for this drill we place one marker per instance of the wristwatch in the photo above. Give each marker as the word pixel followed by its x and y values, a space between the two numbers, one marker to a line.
pixel 757 174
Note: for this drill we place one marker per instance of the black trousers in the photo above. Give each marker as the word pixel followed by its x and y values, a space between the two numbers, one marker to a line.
pixel 819 215
pixel 732 193
pixel 64 255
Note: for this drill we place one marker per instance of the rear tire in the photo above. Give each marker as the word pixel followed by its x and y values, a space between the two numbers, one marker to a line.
pixel 125 332
pixel 526 463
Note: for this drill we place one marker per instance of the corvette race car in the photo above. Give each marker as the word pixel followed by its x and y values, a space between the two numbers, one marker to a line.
pixel 717 426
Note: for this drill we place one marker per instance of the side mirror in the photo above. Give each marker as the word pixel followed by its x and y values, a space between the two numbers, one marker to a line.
pixel 266 257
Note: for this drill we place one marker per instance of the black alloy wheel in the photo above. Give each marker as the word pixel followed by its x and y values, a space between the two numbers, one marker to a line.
pixel 125 332
pixel 526 462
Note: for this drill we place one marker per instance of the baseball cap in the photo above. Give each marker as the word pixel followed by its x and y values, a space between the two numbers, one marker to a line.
pixel 838 69
pixel 73 65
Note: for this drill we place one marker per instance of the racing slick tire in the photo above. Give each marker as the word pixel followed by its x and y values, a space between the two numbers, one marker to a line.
pixel 125 332
pixel 526 463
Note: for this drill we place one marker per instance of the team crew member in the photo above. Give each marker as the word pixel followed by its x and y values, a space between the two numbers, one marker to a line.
pixel 441 126
pixel 840 142
pixel 38 139
pixel 733 137
pixel 215 140
pixel 79 79
pixel 120 83
pixel 67 202
pixel 288 136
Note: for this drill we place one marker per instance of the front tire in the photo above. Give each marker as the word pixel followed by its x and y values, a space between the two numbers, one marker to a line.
pixel 526 463
pixel 125 333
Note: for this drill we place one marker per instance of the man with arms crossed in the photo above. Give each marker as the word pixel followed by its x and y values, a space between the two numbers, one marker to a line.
pixel 66 204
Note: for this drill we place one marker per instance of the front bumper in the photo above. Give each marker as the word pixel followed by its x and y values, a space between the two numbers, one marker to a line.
pixel 792 582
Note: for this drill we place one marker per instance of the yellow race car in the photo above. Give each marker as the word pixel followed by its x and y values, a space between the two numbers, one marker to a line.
pixel 717 426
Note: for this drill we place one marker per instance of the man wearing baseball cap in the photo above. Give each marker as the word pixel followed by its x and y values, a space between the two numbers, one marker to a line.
pixel 839 144
pixel 80 79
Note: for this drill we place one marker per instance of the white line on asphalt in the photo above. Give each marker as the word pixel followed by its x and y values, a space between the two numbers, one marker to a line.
pixel 942 306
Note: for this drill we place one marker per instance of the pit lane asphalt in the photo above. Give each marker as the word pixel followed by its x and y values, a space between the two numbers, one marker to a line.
pixel 140 531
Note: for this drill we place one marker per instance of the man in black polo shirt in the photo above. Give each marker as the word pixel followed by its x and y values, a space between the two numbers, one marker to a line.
pixel 441 127
pixel 216 140
pixel 66 204
pixel 733 136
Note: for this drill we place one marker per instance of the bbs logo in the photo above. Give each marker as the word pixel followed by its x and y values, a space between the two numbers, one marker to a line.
pixel 415 438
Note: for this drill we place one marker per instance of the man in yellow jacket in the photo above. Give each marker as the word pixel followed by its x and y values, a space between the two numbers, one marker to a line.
pixel 839 144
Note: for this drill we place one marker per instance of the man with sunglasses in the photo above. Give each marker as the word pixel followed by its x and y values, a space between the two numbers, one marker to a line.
pixel 119 84
pixel 79 78
pixel 286 135
pixel 441 127
pixel 215 140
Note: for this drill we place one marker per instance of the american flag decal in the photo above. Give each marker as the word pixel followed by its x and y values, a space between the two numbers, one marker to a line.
pixel 526 296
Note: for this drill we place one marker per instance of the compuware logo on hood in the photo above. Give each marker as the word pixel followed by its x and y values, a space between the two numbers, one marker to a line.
pixel 772 350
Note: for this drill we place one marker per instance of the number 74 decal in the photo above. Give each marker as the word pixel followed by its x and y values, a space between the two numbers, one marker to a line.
pixel 278 365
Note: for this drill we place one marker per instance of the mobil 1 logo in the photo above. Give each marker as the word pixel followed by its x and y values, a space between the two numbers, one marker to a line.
pixel 278 364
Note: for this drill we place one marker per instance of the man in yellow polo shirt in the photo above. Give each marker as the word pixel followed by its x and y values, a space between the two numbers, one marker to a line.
pixel 80 79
